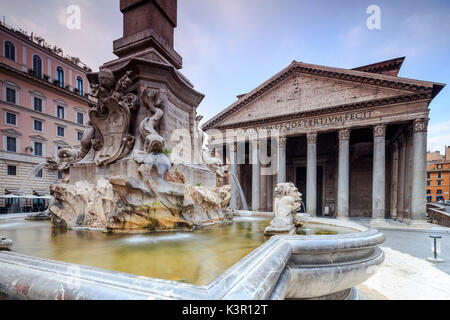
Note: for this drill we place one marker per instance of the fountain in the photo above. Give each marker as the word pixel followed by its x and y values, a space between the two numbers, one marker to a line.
pixel 121 180
pixel 144 168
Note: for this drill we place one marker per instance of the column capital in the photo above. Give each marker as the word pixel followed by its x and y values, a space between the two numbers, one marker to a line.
pixel 311 137
pixel 379 131
pixel 282 142
pixel 420 125
pixel 344 134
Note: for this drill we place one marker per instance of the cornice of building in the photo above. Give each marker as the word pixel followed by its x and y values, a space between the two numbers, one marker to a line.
pixel 43 83
pixel 330 110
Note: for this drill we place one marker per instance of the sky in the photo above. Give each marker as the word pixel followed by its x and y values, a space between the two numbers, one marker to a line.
pixel 229 47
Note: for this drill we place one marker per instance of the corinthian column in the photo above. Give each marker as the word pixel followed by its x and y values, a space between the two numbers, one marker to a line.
pixel 379 172
pixel 418 201
pixel 401 178
pixel 281 174
pixel 256 179
pixel 394 180
pixel 343 174
pixel 311 173
pixel 233 170
pixel 408 174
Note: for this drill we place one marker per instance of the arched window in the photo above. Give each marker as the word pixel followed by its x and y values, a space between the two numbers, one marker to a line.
pixel 60 76
pixel 10 51
pixel 80 85
pixel 37 66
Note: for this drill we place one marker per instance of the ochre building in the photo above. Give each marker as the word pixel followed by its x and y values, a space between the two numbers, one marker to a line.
pixel 43 106
pixel 352 141
pixel 438 176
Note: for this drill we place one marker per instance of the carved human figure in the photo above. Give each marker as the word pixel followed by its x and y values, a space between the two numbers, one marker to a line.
pixel 287 201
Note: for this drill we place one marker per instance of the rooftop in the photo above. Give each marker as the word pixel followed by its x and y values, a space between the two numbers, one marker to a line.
pixel 39 41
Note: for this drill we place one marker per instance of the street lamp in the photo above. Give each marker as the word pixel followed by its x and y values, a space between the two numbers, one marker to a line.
pixel 435 249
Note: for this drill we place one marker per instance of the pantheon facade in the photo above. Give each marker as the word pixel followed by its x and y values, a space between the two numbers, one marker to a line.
pixel 352 140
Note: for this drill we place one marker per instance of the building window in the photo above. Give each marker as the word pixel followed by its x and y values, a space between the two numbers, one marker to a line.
pixel 11 118
pixel 10 51
pixel 80 85
pixel 39 174
pixel 79 135
pixel 11 95
pixel 439 191
pixel 11 144
pixel 38 125
pixel 428 183
pixel 60 131
pixel 11 170
pixel 38 149
pixel 439 182
pixel 60 76
pixel 439 175
pixel 428 175
pixel 428 191
pixel 80 118
pixel 60 112
pixel 37 104
pixel 60 175
pixel 37 66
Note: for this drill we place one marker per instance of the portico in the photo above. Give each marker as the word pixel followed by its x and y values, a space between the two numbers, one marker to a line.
pixel 352 141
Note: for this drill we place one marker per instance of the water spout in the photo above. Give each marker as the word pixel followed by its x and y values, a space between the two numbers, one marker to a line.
pixel 237 192
pixel 159 160
pixel 27 181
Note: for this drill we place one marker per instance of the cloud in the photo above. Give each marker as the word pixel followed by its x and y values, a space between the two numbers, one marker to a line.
pixel 439 136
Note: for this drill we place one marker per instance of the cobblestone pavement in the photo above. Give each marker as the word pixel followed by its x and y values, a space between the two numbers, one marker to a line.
pixel 418 244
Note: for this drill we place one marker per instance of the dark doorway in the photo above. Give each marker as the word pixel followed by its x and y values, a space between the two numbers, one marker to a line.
pixel 300 183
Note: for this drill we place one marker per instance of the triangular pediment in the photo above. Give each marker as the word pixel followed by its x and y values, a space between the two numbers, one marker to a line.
pixel 301 88
pixel 301 93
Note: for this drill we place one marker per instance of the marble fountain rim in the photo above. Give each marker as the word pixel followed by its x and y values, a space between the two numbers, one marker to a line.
pixel 256 276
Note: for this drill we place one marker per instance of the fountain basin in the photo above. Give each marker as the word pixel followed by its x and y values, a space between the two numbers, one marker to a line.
pixel 5 244
pixel 283 267
pixel 37 216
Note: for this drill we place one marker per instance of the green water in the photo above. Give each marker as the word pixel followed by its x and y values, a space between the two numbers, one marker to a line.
pixel 195 257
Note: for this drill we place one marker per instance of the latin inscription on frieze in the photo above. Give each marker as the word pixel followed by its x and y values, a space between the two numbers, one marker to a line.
pixel 317 122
